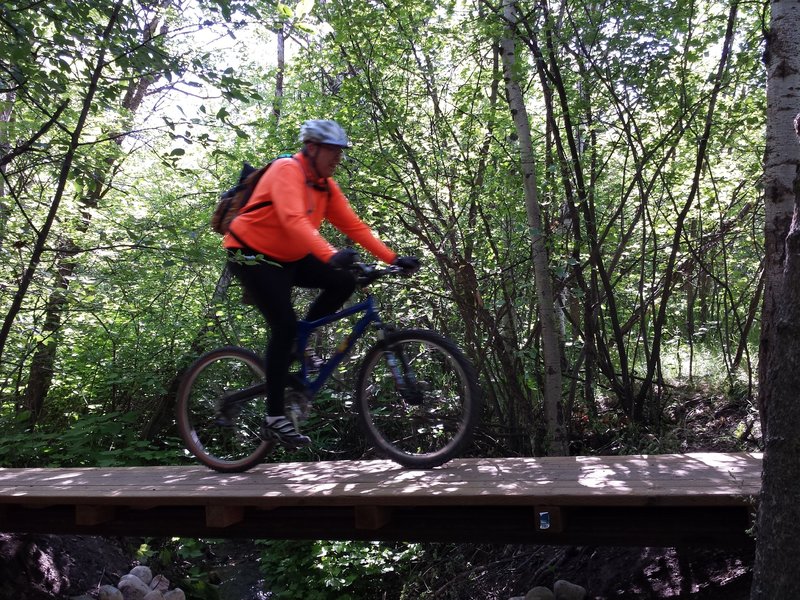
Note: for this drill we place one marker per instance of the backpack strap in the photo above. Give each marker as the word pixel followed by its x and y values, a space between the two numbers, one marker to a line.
pixel 256 206
pixel 247 209
pixel 237 238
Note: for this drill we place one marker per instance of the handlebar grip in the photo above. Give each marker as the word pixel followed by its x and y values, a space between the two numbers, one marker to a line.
pixel 367 273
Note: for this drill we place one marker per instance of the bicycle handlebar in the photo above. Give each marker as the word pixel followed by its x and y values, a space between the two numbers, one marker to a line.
pixel 368 273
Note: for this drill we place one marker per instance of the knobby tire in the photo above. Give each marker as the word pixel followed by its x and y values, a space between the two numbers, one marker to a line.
pixel 205 384
pixel 427 426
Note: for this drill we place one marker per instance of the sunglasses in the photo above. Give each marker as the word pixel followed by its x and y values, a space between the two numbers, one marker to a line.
pixel 332 148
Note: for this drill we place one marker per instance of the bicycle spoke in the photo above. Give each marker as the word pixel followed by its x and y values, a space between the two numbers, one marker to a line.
pixel 418 399
pixel 224 436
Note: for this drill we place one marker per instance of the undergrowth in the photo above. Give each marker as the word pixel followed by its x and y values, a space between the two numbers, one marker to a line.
pixel 93 440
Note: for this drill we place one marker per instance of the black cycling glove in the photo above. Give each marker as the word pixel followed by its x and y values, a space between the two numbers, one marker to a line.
pixel 409 264
pixel 343 258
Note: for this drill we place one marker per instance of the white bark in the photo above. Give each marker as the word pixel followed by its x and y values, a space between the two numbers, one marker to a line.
pixel 780 160
pixel 778 528
pixel 553 405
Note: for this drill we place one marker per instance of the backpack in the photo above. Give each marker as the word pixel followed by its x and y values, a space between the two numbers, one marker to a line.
pixel 232 201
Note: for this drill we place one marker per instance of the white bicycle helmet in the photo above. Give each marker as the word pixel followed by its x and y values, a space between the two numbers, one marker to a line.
pixel 324 132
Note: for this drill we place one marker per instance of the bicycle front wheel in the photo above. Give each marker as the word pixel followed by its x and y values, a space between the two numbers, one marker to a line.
pixel 222 435
pixel 418 398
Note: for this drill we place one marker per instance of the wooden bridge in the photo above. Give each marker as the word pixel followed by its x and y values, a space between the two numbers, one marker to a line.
pixel 656 500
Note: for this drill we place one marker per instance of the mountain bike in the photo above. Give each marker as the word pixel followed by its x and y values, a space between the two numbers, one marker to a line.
pixel 417 398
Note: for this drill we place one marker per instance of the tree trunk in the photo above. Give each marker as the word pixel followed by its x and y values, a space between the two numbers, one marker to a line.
pixel 277 101
pixel 41 371
pixel 66 167
pixel 553 403
pixel 781 154
pixel 778 529
pixel 42 365
pixel 6 113
pixel 777 559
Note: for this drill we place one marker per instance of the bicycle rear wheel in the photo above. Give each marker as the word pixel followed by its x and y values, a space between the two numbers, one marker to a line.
pixel 213 378
pixel 418 398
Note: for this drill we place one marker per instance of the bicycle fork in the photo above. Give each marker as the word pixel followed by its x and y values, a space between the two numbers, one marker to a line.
pixel 405 379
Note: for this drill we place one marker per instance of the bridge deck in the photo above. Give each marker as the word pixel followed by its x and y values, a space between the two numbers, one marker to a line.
pixel 643 500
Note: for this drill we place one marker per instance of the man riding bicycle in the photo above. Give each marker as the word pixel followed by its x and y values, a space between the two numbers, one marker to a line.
pixel 295 195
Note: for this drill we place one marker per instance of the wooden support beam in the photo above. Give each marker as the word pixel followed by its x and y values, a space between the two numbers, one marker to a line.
pixel 88 515
pixel 139 506
pixel 372 517
pixel 702 499
pixel 223 516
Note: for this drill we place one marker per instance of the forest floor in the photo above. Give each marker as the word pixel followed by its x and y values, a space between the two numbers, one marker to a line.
pixel 63 567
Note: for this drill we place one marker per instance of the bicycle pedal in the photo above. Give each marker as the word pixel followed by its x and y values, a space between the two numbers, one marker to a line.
pixel 313 363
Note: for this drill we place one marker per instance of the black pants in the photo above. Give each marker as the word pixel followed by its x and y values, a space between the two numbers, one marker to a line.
pixel 270 287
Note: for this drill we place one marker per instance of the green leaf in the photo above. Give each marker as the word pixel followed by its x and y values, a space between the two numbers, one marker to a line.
pixel 285 11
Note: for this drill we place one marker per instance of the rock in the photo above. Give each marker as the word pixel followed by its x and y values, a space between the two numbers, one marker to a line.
pixel 176 594
pixel 539 593
pixel 154 595
pixel 159 583
pixel 143 573
pixel 564 590
pixel 132 587
pixel 109 592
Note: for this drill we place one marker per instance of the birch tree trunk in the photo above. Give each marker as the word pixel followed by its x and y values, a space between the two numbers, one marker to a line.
pixel 777 559
pixel 553 405
pixel 783 79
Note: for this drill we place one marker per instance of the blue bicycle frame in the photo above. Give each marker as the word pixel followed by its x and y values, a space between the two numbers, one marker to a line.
pixel 305 328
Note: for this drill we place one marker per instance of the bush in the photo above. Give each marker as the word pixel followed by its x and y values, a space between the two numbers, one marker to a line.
pixel 325 570
pixel 93 440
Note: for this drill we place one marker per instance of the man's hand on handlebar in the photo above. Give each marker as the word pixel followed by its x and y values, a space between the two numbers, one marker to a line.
pixel 409 264
pixel 344 258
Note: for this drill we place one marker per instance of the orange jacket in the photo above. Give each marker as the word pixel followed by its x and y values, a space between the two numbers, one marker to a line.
pixel 288 229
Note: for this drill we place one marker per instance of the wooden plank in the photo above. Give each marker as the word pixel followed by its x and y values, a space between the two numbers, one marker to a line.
pixel 669 480
pixel 621 467
pixel 432 484
pixel 303 495
pixel 432 493
pixel 641 526
pixel 587 469
pixel 662 479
